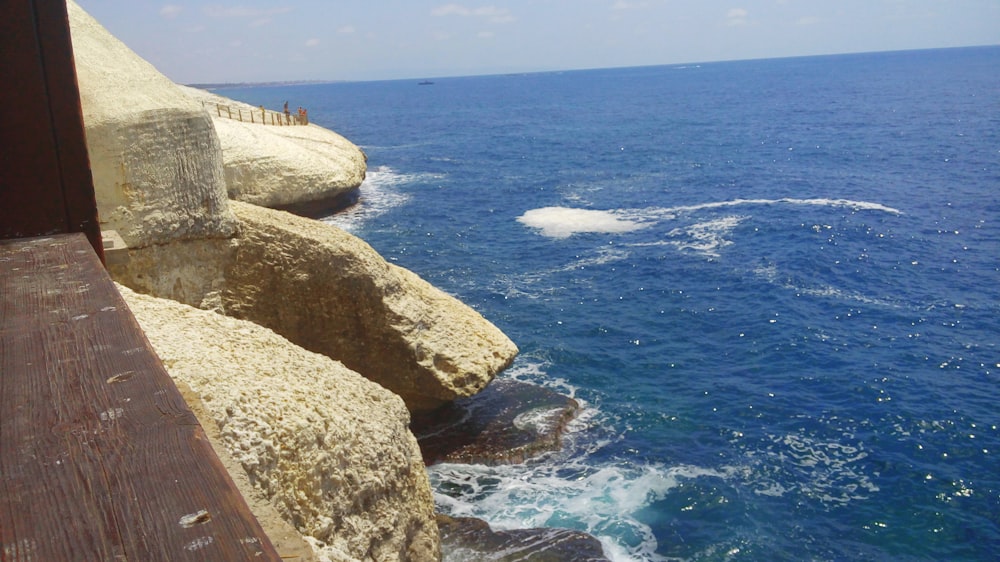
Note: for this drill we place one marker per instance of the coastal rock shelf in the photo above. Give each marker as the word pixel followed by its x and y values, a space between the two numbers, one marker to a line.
pixel 472 539
pixel 509 422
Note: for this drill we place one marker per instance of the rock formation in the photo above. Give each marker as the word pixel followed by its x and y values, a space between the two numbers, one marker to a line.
pixel 332 293
pixel 329 448
pixel 308 281
pixel 154 154
pixel 305 169
pixel 508 423
pixel 473 539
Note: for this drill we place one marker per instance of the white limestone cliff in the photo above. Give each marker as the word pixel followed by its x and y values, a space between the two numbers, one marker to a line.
pixel 154 154
pixel 158 171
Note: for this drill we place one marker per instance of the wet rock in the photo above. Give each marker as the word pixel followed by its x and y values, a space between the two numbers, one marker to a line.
pixel 508 422
pixel 465 539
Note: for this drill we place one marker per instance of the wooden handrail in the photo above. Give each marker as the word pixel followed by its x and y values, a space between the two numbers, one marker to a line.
pixel 261 115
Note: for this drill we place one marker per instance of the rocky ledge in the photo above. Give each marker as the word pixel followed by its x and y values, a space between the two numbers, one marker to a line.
pixel 466 539
pixel 509 422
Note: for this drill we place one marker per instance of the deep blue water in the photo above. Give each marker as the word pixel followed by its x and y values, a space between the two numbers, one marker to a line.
pixel 774 285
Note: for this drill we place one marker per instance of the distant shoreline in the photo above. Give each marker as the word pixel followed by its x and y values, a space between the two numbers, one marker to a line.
pixel 233 85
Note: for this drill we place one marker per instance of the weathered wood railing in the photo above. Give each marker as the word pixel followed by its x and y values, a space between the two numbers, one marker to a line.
pixel 100 457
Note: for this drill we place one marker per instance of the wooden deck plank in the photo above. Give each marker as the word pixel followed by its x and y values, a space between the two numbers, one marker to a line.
pixel 100 457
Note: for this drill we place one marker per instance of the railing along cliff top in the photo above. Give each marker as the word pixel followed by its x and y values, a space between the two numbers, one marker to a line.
pixel 260 115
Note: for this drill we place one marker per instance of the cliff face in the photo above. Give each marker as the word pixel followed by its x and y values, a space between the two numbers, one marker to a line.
pixel 329 448
pixel 154 154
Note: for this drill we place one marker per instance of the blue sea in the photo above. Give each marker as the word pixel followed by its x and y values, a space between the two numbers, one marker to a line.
pixel 773 286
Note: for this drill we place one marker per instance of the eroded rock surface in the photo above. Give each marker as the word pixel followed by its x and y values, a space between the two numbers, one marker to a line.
pixel 330 292
pixel 330 449
pixel 154 154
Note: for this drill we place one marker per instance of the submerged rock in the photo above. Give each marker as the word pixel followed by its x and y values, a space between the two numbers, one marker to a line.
pixel 508 422
pixel 465 539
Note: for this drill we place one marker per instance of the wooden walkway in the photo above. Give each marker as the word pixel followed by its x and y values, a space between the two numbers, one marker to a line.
pixel 100 457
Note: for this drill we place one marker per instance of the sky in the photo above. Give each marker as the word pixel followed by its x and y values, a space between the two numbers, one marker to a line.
pixel 285 40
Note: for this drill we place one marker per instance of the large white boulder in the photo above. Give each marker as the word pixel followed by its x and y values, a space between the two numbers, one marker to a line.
pixel 331 449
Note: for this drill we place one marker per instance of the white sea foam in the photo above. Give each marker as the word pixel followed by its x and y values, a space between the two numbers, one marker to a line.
pixel 568 489
pixel 706 237
pixel 603 501
pixel 563 222
pixel 770 274
pixel 817 202
pixel 528 284
pixel 377 194
pixel 831 471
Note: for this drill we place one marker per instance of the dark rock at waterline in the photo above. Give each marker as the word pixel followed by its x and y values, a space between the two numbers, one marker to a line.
pixel 508 422
pixel 472 539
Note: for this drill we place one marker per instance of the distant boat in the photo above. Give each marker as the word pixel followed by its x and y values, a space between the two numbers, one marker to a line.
pixel 425 83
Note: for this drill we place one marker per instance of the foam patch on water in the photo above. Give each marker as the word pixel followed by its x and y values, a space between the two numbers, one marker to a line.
pixel 706 237
pixel 563 222
pixel 530 284
pixel 378 194
pixel 816 202
pixel 770 274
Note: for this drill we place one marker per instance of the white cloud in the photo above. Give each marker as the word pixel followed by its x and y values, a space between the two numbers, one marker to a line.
pixel 622 5
pixel 217 11
pixel 346 29
pixel 313 42
pixel 736 17
pixel 486 35
pixel 491 13
pixel 170 11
